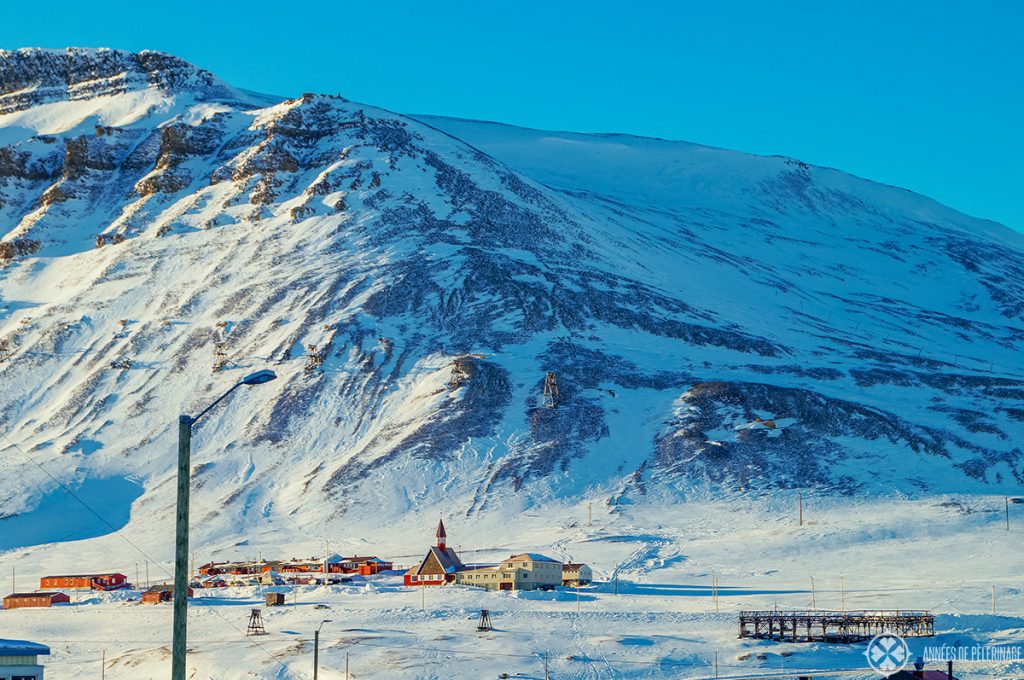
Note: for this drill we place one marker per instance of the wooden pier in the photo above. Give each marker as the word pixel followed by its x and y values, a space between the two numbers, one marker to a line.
pixel 834 626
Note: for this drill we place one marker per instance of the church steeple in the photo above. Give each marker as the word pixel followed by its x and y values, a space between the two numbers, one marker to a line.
pixel 441 535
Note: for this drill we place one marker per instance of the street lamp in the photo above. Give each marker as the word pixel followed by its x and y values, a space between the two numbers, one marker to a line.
pixel 185 424
pixel 316 647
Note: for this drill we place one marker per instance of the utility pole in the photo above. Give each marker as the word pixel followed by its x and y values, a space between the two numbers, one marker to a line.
pixel 1007 514
pixel 546 666
pixel 316 654
pixel 577 596
pixel 180 631
pixel 800 498
pixel 716 663
pixel 842 594
pixel 346 665
pixel 423 597
pixel 316 649
pixel 14 579
pixel 181 576
pixel 814 602
pixel 138 585
pixel 147 574
pixel 103 665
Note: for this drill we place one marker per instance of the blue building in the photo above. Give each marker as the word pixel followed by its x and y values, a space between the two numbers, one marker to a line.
pixel 18 660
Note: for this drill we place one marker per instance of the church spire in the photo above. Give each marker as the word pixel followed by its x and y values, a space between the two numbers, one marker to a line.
pixel 441 535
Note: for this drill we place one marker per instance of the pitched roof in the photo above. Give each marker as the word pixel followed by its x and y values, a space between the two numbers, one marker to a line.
pixel 370 558
pixel 440 529
pixel 573 566
pixel 46 594
pixel 447 558
pixel 532 557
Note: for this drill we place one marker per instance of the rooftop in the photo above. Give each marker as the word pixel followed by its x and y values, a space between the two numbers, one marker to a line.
pixel 22 648
pixel 533 557
pixel 41 594
pixel 106 573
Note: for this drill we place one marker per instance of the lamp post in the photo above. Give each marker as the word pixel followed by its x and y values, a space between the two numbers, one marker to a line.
pixel 316 648
pixel 185 425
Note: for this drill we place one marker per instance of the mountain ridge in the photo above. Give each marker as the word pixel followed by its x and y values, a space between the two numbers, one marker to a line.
pixel 412 284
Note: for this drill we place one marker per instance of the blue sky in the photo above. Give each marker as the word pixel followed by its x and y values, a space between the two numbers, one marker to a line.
pixel 924 95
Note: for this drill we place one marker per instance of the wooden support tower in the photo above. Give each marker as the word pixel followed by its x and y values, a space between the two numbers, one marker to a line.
pixel 460 373
pixel 256 623
pixel 220 355
pixel 314 358
pixel 485 621
pixel 834 626
pixel 5 349
pixel 550 390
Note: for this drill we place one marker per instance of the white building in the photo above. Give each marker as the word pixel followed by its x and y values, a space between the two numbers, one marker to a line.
pixel 525 571
pixel 18 660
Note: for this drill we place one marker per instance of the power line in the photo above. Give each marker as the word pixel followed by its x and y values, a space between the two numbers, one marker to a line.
pixel 142 552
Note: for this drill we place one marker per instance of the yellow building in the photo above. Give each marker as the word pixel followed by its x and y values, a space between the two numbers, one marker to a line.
pixel 575 574
pixel 525 571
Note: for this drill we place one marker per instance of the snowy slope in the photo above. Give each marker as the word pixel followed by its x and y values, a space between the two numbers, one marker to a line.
pixel 439 268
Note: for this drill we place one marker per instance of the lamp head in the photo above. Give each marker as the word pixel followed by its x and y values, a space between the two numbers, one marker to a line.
pixel 259 377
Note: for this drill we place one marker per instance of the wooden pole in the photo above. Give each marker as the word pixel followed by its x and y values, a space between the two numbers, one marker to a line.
pixel 800 498
pixel 103 665
pixel 577 596
pixel 546 666
pixel 814 602
pixel 716 663
pixel 423 597
pixel 346 665
pixel 1007 514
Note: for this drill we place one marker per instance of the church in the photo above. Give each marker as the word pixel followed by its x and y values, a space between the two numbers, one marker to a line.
pixel 439 565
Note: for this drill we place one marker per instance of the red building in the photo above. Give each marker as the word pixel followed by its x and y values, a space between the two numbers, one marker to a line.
pixel 364 566
pixel 110 581
pixel 19 600
pixel 439 565
pixel 161 593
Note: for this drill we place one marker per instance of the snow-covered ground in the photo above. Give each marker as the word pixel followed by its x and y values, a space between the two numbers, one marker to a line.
pixel 944 555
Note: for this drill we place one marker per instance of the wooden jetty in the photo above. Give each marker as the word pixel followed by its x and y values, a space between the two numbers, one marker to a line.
pixel 834 626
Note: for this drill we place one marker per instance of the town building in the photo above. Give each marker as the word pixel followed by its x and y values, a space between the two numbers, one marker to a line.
pixel 19 659
pixel 525 571
pixel 364 566
pixel 161 593
pixel 919 673
pixel 20 600
pixel 439 566
pixel 576 574
pixel 108 581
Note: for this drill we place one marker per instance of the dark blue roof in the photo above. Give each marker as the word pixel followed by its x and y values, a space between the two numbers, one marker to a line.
pixel 22 648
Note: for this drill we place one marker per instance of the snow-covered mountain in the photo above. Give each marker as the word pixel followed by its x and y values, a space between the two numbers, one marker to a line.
pixel 715 320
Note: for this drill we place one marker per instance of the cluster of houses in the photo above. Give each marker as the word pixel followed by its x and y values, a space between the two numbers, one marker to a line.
pixel 332 569
pixel 440 566
pixel 523 571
